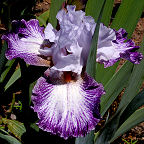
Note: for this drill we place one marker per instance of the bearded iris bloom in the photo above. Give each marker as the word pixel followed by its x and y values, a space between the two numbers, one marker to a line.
pixel 66 98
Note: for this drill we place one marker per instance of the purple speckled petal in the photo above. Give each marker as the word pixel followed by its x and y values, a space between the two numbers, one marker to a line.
pixel 134 57
pixel 32 31
pixel 24 41
pixel 67 109
pixel 112 46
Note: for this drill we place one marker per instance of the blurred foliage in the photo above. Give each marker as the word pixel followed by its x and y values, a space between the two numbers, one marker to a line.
pixel 15 10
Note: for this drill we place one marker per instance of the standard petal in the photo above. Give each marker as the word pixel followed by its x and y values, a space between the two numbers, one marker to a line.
pixel 67 58
pixel 106 36
pixel 67 109
pixel 25 42
pixel 112 46
pixel 73 40
pixel 50 33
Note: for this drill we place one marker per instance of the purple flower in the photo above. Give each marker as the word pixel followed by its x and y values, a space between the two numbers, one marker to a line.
pixel 27 39
pixel 67 104
pixel 67 99
pixel 112 46
pixel 72 43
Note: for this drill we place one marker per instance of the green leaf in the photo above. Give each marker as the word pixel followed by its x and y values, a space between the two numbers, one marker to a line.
pixel 106 16
pixel 93 8
pixel 43 18
pixel 108 130
pixel 136 118
pixel 7 139
pixel 2 57
pixel 35 127
pixel 15 127
pixel 125 141
pixel 91 62
pixel 88 139
pixel 16 75
pixel 137 102
pixel 55 7
pixel 31 86
pixel 8 66
pixel 115 86
pixel 128 15
pixel 105 74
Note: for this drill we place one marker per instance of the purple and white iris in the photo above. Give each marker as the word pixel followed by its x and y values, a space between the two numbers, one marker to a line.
pixel 66 98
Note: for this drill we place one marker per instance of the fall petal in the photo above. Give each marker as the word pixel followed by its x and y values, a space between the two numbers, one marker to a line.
pixel 67 109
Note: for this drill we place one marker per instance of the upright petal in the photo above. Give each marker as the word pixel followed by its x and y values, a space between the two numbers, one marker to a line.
pixel 68 109
pixel 73 40
pixel 112 46
pixel 67 58
pixel 50 33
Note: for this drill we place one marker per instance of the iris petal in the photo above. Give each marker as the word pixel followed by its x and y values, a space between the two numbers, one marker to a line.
pixel 73 40
pixel 25 40
pixel 67 109
pixel 112 46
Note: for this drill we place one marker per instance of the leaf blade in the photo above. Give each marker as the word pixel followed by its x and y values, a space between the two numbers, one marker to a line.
pixel 106 17
pixel 128 15
pixel 136 118
pixel 16 75
pixel 137 102
pixel 2 57
pixel 115 86
pixel 43 18
pixel 9 139
pixel 55 7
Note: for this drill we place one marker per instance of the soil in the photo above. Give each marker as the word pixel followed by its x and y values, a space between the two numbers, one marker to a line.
pixel 41 7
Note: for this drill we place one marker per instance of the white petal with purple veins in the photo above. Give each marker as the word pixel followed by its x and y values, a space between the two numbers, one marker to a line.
pixel 25 41
pixel 67 109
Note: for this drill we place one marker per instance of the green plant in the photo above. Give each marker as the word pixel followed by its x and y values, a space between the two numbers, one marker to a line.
pixel 131 142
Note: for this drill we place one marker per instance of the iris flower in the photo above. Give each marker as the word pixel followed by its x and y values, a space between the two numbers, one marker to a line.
pixel 66 98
